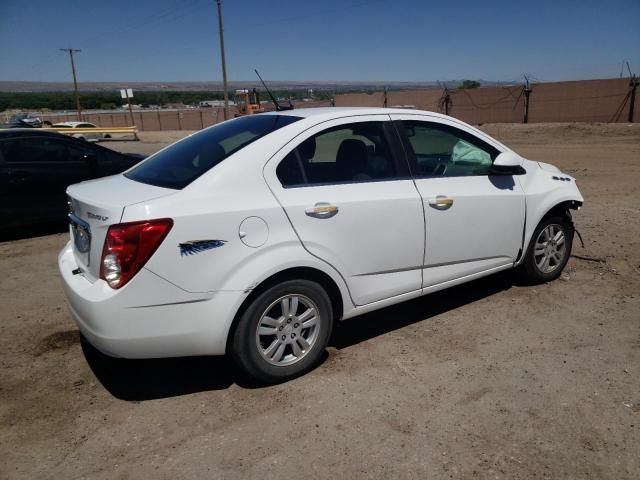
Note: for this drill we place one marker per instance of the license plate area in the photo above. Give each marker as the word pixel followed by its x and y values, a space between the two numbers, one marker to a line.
pixel 81 235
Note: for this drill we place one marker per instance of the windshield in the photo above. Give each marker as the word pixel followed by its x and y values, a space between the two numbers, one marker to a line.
pixel 181 163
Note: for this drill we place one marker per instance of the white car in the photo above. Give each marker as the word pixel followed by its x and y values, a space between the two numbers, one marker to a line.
pixel 89 137
pixel 252 237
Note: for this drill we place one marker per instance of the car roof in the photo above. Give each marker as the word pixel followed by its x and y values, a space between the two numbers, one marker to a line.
pixel 337 112
pixel 36 132
pixel 23 132
pixel 322 114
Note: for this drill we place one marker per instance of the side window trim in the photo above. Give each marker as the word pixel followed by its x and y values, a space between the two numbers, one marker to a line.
pixel 397 152
pixel 407 149
pixel 461 134
pixel 305 180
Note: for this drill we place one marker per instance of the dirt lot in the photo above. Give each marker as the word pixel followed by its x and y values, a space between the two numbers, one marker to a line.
pixel 487 380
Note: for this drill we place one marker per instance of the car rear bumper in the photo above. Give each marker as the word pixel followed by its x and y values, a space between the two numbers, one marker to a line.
pixel 149 317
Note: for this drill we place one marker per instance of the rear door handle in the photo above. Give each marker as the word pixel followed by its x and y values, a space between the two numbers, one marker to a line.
pixel 441 202
pixel 322 210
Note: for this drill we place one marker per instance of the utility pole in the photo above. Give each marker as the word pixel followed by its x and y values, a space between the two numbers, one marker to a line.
pixel 527 92
pixel 71 51
pixel 224 64
pixel 633 83
pixel 447 100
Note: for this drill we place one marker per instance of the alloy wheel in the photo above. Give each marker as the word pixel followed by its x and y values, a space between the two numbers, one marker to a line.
pixel 288 329
pixel 550 248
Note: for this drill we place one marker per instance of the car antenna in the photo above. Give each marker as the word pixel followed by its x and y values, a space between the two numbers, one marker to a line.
pixel 279 107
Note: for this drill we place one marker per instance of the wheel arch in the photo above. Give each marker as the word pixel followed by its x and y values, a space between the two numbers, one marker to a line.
pixel 293 273
pixel 561 207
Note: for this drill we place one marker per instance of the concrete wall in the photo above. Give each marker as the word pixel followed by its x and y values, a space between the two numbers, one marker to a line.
pixel 149 120
pixel 582 101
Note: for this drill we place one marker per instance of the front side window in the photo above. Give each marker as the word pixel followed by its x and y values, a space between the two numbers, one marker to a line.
pixel 40 150
pixel 356 152
pixel 443 151
pixel 184 161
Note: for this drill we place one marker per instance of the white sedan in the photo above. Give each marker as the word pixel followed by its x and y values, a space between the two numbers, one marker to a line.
pixel 89 137
pixel 254 236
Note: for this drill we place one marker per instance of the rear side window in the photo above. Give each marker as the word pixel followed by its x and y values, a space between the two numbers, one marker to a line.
pixel 356 152
pixel 181 163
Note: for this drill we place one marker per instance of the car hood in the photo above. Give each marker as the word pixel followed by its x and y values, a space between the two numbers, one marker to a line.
pixel 548 167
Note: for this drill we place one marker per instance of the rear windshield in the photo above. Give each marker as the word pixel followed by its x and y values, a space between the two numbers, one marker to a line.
pixel 181 163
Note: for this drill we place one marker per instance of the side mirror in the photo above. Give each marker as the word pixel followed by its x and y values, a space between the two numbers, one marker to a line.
pixel 507 163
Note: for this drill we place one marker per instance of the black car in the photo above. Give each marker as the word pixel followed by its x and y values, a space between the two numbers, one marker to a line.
pixel 22 120
pixel 37 166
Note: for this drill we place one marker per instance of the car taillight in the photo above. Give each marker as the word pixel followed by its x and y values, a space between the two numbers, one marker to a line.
pixel 127 248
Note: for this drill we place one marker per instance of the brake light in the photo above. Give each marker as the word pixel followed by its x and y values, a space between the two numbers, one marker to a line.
pixel 127 248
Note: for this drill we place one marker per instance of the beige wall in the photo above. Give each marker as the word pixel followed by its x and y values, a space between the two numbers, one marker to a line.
pixel 150 120
pixel 581 101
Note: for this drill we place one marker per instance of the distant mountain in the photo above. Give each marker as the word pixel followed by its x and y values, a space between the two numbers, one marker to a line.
pixel 28 86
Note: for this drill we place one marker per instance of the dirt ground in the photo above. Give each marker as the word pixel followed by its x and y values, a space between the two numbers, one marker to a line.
pixel 487 380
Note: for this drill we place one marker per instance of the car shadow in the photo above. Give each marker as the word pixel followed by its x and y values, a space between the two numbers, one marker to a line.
pixel 140 380
pixel 371 325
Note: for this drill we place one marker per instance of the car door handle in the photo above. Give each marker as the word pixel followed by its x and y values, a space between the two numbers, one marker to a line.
pixel 441 202
pixel 322 210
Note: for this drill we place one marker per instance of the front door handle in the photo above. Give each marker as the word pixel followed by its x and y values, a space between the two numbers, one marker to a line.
pixel 322 210
pixel 441 202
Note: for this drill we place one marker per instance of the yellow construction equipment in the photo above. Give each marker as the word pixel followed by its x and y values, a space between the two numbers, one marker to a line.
pixel 248 102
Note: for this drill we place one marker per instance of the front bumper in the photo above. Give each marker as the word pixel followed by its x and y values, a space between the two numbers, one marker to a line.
pixel 149 317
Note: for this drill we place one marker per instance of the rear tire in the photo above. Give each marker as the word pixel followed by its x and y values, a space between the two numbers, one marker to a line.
pixel 284 332
pixel 549 250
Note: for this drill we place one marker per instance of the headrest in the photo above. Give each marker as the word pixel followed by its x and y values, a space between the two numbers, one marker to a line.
pixel 353 150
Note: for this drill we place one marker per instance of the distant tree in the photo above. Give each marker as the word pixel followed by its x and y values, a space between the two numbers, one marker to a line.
pixel 468 84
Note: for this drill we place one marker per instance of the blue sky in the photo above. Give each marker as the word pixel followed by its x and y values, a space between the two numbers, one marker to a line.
pixel 394 40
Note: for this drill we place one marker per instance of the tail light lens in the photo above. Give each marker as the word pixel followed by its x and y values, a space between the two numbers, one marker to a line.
pixel 127 248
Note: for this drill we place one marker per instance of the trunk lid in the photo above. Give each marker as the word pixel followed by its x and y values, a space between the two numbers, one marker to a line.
pixel 94 206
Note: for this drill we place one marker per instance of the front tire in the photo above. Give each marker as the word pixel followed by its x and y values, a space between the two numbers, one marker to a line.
pixel 284 331
pixel 549 250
